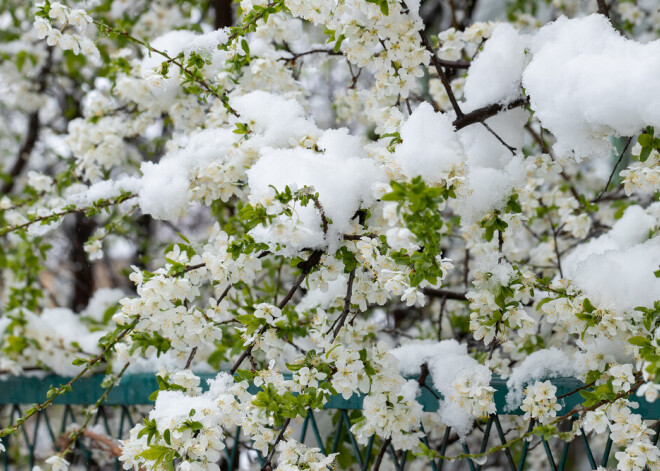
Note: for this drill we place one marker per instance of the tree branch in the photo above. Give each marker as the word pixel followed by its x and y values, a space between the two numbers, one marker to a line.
pixel 442 293
pixel 602 8
pixel 306 267
pixel 33 127
pixel 267 464
pixel 347 304
pixel 481 114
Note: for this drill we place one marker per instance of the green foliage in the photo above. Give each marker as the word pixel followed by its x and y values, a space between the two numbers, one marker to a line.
pixel 143 340
pixel 495 223
pixel 601 394
pixel 418 207
pixel 289 405
pixel 649 143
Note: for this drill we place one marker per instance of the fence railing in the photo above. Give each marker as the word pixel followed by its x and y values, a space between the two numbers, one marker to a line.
pixel 328 430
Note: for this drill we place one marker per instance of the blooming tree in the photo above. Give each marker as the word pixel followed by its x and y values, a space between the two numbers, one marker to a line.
pixel 327 198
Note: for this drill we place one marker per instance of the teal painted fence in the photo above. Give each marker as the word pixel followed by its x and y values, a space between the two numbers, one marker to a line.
pixel 122 410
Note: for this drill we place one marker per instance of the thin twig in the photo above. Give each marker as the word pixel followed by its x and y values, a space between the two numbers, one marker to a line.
pixel 267 463
pixel 443 293
pixel 609 180
pixel 306 267
pixel 438 68
pixel 497 136
pixel 554 237
pixel 66 387
pixel 347 304
pixel 381 454
pixel 190 358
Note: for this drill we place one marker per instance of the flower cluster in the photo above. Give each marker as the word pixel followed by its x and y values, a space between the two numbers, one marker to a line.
pixel 627 430
pixel 310 195
pixel 384 40
pixel 52 25
pixel 496 302
pixel 295 455
pixel 190 427
pixel 540 402
pixel 473 396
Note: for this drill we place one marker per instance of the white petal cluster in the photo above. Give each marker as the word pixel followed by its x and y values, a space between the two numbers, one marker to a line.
pixel 628 431
pixel 387 45
pixel 56 35
pixel 294 456
pixel 497 300
pixel 540 402
pixel 192 425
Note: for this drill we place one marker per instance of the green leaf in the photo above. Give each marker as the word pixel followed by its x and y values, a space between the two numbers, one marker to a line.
pixel 644 155
pixel 645 140
pixel 384 8
pixel 640 341
pixel 588 307
pixel 340 39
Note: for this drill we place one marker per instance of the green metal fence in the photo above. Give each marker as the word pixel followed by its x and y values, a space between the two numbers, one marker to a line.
pixel 128 403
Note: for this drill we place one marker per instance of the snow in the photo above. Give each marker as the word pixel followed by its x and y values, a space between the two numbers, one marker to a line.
pixel 616 270
pixel 412 355
pixel 633 228
pixel 494 172
pixel 430 146
pixel 83 196
pixel 410 390
pixel 176 405
pixel 494 77
pixel 276 120
pixel 622 279
pixel 448 361
pixel 343 183
pixel 540 365
pixel 317 298
pixel 586 82
pixel 165 186
pixel 164 193
pixel 495 74
pixel 55 329
pixel 489 189
pixel 173 43
pixel 206 43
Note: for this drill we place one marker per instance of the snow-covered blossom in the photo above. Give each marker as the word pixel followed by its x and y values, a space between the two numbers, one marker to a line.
pixel 308 198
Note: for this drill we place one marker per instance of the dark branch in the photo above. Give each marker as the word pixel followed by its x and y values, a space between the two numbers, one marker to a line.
pixel 603 9
pixel 381 454
pixel 190 358
pixel 481 114
pixel 267 464
pixel 454 64
pixel 33 128
pixel 347 303
pixel 441 293
pixel 306 267
pixel 438 68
